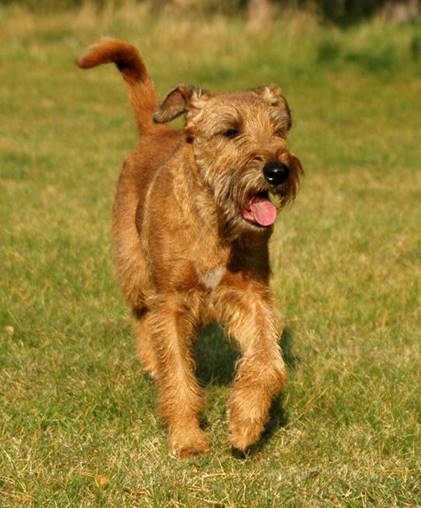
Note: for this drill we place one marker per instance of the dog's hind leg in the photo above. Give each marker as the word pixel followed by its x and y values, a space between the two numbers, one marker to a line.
pixel 144 346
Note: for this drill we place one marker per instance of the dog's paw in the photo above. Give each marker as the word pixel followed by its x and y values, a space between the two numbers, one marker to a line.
pixel 188 444
pixel 243 436
pixel 245 427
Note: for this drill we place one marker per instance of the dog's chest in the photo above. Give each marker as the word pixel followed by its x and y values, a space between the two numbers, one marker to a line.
pixel 213 277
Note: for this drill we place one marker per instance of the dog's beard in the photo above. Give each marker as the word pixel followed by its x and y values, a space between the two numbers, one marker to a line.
pixel 244 200
pixel 243 203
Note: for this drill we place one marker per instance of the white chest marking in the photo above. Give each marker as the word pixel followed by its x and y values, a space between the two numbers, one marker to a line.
pixel 212 278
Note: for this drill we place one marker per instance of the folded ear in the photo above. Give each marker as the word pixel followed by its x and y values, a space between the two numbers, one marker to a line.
pixel 179 100
pixel 273 95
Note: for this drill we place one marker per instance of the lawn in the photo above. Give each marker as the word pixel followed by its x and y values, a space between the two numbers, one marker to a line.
pixel 78 422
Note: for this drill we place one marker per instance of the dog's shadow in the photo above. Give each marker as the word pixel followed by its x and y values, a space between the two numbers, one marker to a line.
pixel 216 359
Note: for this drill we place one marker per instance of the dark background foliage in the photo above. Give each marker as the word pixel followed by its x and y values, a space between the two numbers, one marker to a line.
pixel 338 11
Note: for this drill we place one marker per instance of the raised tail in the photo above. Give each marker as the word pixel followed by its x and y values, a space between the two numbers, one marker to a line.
pixel 132 67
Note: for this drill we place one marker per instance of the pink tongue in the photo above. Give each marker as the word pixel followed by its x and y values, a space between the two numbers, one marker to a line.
pixel 261 211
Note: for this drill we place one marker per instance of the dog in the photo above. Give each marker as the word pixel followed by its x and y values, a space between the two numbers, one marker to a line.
pixel 192 218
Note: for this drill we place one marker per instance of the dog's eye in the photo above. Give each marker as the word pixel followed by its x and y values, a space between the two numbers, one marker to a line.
pixel 280 133
pixel 231 133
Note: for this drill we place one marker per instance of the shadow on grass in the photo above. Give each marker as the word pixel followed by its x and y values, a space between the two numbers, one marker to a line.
pixel 215 357
pixel 287 347
pixel 216 360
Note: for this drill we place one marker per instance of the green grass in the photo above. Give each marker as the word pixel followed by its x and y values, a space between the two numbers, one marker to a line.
pixel 78 424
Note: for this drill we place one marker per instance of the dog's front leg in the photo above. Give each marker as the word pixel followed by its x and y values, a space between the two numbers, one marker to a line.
pixel 181 402
pixel 251 319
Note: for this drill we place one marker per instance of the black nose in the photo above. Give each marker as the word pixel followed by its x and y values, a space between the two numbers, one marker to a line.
pixel 276 173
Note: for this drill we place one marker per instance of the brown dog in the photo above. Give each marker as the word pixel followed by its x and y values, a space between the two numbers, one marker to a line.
pixel 191 224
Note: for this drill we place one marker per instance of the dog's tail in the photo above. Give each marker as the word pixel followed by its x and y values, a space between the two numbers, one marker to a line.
pixel 132 67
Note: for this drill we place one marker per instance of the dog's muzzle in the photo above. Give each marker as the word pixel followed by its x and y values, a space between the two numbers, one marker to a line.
pixel 276 173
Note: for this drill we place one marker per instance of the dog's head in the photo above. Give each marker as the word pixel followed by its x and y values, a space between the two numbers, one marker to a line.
pixel 239 143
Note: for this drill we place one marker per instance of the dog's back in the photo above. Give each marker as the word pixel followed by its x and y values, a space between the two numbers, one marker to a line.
pixel 139 170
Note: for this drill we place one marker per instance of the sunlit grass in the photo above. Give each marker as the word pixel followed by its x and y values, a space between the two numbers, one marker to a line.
pixel 78 425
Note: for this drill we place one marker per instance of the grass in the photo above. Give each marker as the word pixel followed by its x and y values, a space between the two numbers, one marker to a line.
pixel 78 425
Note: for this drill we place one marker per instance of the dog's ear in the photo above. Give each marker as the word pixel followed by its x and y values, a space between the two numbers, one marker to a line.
pixel 181 99
pixel 274 96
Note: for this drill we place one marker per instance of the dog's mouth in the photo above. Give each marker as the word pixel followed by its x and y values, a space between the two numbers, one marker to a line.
pixel 259 210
